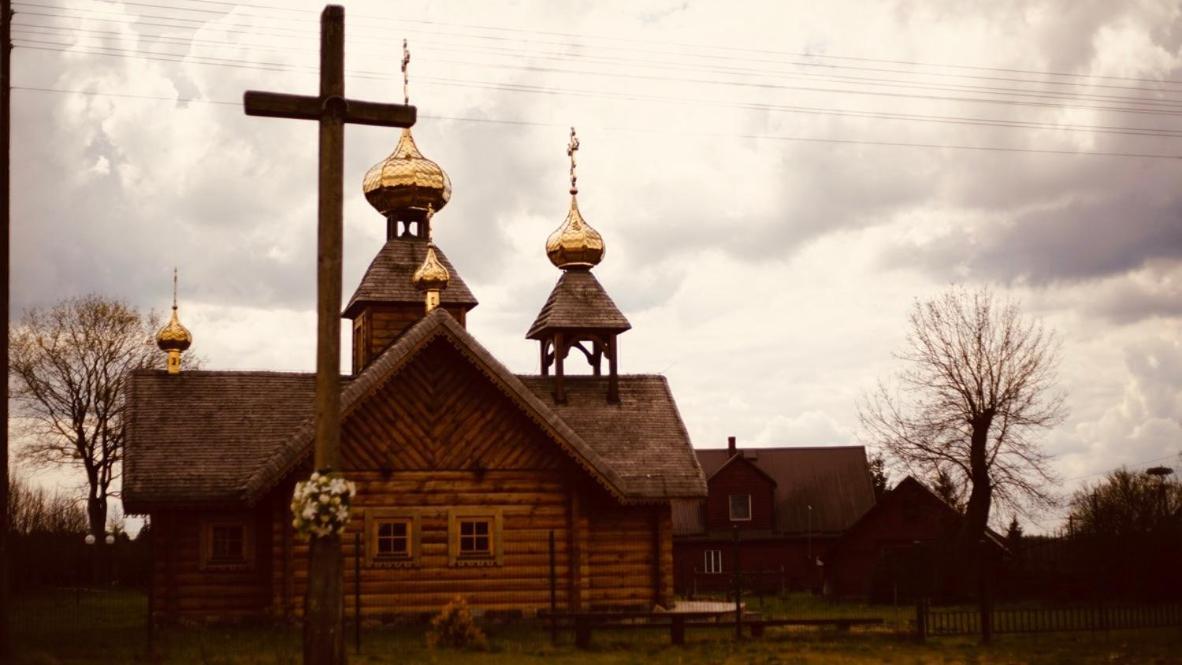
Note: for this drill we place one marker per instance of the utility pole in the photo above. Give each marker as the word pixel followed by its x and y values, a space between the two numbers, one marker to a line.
pixel 6 132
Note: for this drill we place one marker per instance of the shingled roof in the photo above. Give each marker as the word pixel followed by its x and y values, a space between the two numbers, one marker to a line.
pixel 191 435
pixel 578 301
pixel 240 433
pixel 388 278
pixel 643 436
pixel 834 480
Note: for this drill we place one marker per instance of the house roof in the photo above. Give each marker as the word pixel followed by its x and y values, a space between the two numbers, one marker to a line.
pixel 388 278
pixel 834 480
pixel 578 301
pixel 214 438
pixel 911 487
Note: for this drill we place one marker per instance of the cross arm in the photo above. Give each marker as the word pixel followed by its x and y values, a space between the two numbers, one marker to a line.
pixel 302 107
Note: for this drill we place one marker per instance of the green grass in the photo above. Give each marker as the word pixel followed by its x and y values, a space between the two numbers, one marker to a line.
pixel 58 628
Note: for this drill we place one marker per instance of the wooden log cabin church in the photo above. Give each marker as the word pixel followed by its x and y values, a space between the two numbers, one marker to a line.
pixel 463 469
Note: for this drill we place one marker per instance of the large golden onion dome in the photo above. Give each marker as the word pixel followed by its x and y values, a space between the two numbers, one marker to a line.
pixel 406 180
pixel 174 336
pixel 575 244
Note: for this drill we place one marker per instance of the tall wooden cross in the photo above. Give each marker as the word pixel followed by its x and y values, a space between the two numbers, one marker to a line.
pixel 324 604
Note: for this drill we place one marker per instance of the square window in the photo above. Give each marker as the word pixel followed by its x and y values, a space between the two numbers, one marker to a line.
pixel 740 507
pixel 475 537
pixel 226 544
pixel 394 540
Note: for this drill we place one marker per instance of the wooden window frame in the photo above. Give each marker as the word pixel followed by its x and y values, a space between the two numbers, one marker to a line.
pixel 716 560
pixel 730 507
pixel 494 517
pixel 374 518
pixel 205 543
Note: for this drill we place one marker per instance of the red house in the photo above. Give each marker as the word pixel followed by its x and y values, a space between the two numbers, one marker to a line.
pixel 875 558
pixel 787 505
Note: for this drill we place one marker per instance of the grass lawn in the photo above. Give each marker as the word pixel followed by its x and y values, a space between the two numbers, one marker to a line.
pixel 54 628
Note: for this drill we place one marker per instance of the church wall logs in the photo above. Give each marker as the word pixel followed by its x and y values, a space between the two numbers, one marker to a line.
pixel 438 444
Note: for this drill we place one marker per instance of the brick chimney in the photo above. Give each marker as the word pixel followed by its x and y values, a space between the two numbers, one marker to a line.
pixel 730 447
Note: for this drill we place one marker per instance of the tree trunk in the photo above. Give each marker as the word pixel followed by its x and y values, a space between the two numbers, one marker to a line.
pixel 96 510
pixel 976 516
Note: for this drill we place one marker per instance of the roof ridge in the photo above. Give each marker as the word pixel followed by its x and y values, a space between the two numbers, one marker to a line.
pixel 743 449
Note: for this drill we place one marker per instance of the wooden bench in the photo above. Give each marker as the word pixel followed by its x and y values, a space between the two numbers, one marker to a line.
pixel 843 624
pixel 677 622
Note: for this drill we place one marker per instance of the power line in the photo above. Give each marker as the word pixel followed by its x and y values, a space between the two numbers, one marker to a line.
pixel 273 66
pixel 762 137
pixel 956 120
pixel 1171 103
pixel 695 46
pixel 567 44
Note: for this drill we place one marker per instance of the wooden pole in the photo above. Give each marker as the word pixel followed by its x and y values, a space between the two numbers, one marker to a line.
pixel 324 606
pixel 5 149
pixel 553 593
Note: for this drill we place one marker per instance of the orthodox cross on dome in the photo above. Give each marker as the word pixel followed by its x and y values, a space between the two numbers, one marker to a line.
pixel 324 613
pixel 571 149
pixel 405 74
pixel 432 276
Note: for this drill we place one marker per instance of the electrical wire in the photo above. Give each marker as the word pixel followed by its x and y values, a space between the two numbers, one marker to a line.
pixel 758 137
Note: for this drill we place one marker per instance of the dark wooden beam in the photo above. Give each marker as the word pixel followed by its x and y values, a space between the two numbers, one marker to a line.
pixel 302 107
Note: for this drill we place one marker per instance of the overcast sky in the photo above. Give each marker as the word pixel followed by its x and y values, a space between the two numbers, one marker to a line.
pixel 776 184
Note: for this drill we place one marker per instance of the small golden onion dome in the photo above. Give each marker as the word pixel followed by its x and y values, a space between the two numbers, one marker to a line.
pixel 431 275
pixel 406 180
pixel 174 336
pixel 575 244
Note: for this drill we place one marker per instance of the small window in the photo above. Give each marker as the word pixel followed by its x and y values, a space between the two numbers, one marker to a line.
pixel 740 507
pixel 394 539
pixel 226 544
pixel 475 537
pixel 713 561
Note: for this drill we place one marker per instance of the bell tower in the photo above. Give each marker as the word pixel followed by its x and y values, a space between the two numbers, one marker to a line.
pixel 407 189
pixel 579 314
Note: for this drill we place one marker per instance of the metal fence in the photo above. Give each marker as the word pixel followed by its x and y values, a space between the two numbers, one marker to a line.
pixel 1053 619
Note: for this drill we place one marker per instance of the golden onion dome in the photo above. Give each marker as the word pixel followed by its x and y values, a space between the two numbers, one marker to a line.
pixel 174 336
pixel 432 275
pixel 575 244
pixel 406 180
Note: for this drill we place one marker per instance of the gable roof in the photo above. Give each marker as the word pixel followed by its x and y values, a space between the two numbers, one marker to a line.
pixel 741 459
pixel 388 278
pixel 910 486
pixel 578 301
pixel 197 449
pixel 834 480
pixel 643 435
pixel 190 435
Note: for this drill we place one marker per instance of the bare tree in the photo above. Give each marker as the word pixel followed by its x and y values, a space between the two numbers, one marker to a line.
pixel 67 369
pixel 879 475
pixel 36 510
pixel 978 382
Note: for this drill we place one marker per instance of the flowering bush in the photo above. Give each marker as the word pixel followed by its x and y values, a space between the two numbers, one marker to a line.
pixel 455 628
pixel 320 505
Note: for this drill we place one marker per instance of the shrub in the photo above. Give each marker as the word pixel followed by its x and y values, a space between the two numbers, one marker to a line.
pixel 455 628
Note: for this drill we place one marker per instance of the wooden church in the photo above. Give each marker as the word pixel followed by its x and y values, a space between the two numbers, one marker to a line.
pixel 463 469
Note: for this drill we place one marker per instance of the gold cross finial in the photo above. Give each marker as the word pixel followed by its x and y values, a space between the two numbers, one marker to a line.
pixel 405 75
pixel 571 148
pixel 174 287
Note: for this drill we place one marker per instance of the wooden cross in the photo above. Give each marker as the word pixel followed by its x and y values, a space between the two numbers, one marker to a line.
pixel 324 605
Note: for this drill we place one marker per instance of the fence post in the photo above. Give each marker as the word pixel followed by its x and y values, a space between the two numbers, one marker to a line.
pixel 921 619
pixel 357 592
pixel 985 591
pixel 151 594
pixel 783 582
pixel 693 582
pixel 553 595
pixel 738 590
